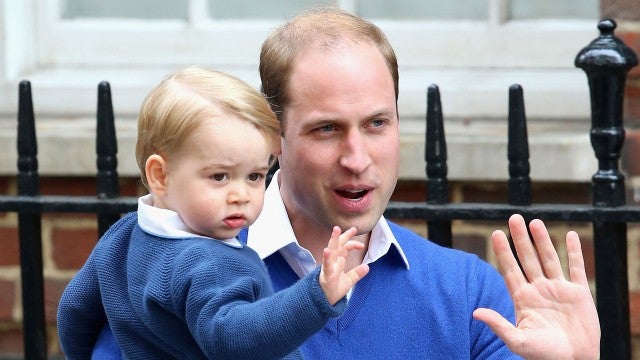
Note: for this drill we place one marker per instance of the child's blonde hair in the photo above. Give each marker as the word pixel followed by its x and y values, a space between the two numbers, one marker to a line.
pixel 183 100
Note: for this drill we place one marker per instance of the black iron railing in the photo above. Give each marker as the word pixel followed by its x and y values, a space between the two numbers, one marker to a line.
pixel 605 61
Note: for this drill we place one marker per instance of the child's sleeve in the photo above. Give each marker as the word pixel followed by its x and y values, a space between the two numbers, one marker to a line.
pixel 81 315
pixel 234 322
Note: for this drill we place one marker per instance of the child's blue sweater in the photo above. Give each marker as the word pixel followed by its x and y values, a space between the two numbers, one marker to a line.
pixel 186 298
pixel 424 312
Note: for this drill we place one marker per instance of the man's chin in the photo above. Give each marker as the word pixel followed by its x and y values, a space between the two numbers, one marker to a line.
pixel 363 224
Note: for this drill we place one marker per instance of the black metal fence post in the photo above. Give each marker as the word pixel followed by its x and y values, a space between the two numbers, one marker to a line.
pixel 518 150
pixel 606 61
pixel 29 229
pixel 107 161
pixel 435 156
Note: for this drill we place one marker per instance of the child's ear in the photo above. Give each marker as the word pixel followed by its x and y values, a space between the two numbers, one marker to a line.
pixel 156 172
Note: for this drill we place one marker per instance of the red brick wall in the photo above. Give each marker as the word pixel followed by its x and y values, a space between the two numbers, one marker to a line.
pixel 68 239
pixel 627 15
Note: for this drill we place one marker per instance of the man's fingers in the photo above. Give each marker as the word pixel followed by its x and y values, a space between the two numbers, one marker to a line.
pixel 513 276
pixel 524 247
pixel 547 255
pixel 577 271
pixel 499 325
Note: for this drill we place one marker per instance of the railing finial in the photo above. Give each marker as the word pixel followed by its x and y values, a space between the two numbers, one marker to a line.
pixel 107 160
pixel 606 61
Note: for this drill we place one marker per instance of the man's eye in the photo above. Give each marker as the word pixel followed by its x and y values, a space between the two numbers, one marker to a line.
pixel 377 123
pixel 219 177
pixel 326 128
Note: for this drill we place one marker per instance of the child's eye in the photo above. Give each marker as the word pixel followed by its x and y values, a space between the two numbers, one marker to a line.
pixel 255 176
pixel 220 177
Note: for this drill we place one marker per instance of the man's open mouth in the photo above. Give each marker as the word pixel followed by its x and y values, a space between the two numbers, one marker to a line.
pixel 352 194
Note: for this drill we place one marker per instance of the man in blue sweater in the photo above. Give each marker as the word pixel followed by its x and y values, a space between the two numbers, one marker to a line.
pixel 332 79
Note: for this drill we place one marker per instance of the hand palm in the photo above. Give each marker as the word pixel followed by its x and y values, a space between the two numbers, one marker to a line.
pixel 547 312
pixel 555 318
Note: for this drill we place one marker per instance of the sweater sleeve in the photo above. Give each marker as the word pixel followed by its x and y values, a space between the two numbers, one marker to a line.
pixel 81 316
pixel 80 313
pixel 233 320
pixel 490 292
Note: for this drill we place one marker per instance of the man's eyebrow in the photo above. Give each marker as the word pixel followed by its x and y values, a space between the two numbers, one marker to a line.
pixel 332 119
pixel 382 114
pixel 320 121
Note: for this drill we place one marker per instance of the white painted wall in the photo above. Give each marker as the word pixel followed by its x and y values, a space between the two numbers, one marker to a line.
pixel 473 63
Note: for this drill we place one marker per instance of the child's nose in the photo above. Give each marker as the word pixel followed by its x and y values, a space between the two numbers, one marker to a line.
pixel 239 193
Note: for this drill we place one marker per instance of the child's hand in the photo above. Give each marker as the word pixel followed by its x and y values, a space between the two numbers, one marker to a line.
pixel 334 281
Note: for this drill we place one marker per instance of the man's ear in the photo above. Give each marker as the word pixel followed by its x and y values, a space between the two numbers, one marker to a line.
pixel 277 146
pixel 156 172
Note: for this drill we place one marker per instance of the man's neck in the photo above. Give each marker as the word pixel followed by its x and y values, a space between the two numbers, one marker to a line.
pixel 315 239
pixel 314 236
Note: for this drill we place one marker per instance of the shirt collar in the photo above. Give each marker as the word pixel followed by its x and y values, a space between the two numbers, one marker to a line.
pixel 166 223
pixel 382 239
pixel 272 230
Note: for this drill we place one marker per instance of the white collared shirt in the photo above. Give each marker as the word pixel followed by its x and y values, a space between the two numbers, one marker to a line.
pixel 167 223
pixel 272 232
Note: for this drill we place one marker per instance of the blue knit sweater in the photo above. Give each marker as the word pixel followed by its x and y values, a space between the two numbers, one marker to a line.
pixel 186 298
pixel 424 312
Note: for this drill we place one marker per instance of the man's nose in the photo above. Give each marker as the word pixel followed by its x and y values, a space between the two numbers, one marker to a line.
pixel 355 152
